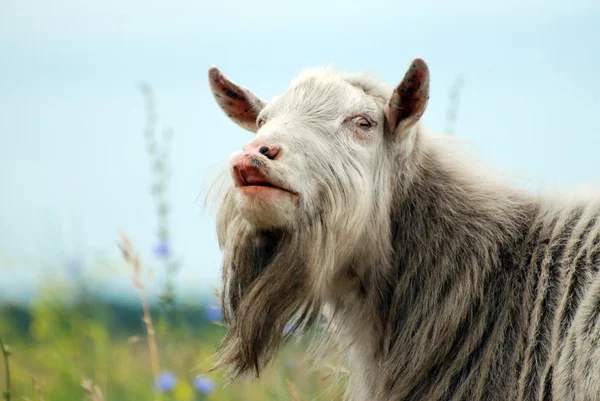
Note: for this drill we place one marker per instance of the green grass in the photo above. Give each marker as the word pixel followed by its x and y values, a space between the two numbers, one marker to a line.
pixel 55 346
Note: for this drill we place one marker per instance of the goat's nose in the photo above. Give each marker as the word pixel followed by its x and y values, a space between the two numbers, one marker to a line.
pixel 268 150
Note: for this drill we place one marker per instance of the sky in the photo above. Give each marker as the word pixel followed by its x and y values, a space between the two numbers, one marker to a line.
pixel 73 165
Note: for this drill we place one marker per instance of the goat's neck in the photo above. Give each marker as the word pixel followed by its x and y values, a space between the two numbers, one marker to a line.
pixel 453 238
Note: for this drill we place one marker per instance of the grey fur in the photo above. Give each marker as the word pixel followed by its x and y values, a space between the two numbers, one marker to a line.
pixel 444 282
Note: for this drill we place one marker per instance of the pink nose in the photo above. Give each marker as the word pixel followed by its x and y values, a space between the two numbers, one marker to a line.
pixel 268 150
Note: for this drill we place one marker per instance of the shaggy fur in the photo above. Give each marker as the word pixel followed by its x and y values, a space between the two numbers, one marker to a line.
pixel 443 282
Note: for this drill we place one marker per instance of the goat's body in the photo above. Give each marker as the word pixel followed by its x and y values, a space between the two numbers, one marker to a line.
pixel 493 295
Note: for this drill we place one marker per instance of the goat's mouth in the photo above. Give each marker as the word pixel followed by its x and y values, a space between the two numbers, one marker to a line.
pixel 252 181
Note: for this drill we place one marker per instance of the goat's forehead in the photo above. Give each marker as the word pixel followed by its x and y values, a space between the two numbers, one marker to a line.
pixel 329 91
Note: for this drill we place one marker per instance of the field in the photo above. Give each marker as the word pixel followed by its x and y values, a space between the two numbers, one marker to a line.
pixel 95 350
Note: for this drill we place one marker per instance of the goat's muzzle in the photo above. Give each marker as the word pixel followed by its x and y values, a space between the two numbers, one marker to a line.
pixel 250 172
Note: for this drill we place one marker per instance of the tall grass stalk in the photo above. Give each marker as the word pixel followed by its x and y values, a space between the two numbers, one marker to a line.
pixel 6 353
pixel 92 390
pixel 132 257
pixel 158 148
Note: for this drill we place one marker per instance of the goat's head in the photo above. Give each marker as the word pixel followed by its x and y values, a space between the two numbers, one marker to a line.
pixel 316 174
pixel 319 146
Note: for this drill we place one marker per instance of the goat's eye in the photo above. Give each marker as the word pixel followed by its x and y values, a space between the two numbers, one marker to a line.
pixel 260 122
pixel 362 122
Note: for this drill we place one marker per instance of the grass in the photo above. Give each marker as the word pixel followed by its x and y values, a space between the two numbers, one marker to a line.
pixel 84 351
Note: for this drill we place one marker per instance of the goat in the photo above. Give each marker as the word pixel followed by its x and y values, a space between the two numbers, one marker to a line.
pixel 444 283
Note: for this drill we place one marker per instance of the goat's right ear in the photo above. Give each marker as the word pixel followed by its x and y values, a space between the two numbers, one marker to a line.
pixel 240 105
pixel 409 100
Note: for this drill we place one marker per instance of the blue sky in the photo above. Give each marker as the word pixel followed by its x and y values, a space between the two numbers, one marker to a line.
pixel 73 165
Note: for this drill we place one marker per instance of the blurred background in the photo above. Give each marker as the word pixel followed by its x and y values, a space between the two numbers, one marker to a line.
pixel 107 123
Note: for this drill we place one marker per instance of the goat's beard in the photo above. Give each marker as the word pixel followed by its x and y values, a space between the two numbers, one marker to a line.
pixel 268 277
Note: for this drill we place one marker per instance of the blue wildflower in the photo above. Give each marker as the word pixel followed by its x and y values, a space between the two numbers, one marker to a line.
pixel 162 249
pixel 213 312
pixel 203 384
pixel 165 382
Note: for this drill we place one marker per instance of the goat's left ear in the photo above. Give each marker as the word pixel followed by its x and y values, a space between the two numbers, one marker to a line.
pixel 409 100
pixel 240 105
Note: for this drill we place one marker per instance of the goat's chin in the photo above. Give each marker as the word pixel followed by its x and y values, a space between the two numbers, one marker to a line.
pixel 266 207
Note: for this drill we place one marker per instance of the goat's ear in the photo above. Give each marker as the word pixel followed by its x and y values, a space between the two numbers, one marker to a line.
pixel 409 100
pixel 240 105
